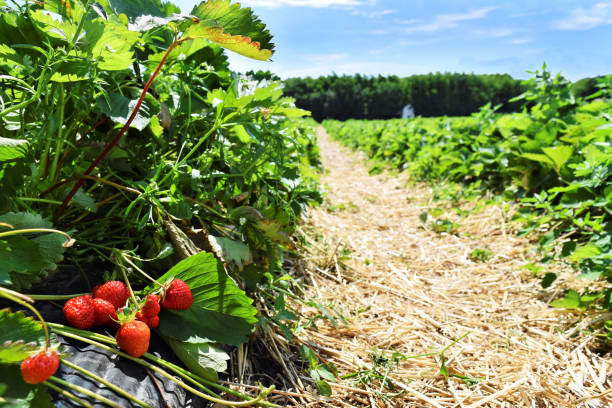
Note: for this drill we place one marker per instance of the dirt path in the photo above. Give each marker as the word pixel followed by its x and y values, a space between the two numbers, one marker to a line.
pixel 407 288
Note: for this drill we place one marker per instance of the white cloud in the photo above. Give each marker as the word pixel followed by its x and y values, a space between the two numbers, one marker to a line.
pixel 446 21
pixel 373 14
pixel 301 3
pixel 499 32
pixel 519 41
pixel 585 18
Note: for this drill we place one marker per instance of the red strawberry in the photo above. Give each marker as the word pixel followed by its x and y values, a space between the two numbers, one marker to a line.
pixel 133 338
pixel 115 292
pixel 39 367
pixel 105 312
pixel 178 296
pixel 80 312
pixel 153 322
pixel 151 308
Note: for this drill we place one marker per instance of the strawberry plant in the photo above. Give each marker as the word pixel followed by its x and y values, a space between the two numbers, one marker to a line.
pixel 131 151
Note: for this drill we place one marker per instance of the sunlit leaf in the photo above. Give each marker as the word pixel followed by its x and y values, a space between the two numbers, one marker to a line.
pixel 221 312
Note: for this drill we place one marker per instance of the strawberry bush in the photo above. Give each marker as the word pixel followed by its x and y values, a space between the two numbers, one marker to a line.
pixel 130 151
pixel 554 158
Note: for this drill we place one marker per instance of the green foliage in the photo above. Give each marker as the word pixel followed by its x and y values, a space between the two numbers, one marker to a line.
pixel 20 337
pixel 378 97
pixel 12 149
pixel 481 254
pixel 122 123
pixel 19 394
pixel 320 372
pixel 28 257
pixel 555 158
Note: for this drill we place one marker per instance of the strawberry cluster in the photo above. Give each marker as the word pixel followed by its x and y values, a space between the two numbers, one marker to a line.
pixel 84 312
pixel 133 323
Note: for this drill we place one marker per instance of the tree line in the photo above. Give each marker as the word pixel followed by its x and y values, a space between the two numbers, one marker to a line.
pixel 383 97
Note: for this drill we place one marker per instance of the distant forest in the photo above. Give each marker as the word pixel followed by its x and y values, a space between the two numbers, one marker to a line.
pixel 383 97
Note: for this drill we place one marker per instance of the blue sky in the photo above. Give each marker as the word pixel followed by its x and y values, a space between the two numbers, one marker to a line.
pixel 404 37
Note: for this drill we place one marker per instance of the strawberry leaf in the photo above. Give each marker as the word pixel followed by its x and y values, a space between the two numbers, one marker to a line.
pixel 28 258
pixel 221 312
pixel 232 27
pixel 19 394
pixel 203 359
pixel 11 149
pixel 232 253
pixel 20 336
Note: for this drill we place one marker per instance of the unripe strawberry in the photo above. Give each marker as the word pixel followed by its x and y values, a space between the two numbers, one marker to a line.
pixel 151 308
pixel 178 296
pixel 153 322
pixel 39 367
pixel 115 292
pixel 80 312
pixel 105 312
pixel 133 338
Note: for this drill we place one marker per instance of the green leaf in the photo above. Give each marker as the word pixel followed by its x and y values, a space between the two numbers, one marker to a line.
pixel 273 230
pixel 136 8
pixel 538 157
pixel 231 27
pixel 204 359
pixel 548 279
pixel 221 312
pixel 571 300
pixel 109 43
pixel 233 253
pixel 28 257
pixel 243 134
pixel 559 155
pixel 584 252
pixel 19 394
pixel 323 388
pixel 119 108
pixel 11 149
pixel 20 336
pixel 19 255
pixel 84 201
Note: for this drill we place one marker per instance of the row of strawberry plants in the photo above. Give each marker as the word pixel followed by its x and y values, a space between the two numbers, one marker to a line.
pixel 555 157
pixel 130 152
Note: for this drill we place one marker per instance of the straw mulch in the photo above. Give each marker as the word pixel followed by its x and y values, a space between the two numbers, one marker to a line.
pixel 406 288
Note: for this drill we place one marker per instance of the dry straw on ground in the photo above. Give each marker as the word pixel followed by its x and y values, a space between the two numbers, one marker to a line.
pixel 407 288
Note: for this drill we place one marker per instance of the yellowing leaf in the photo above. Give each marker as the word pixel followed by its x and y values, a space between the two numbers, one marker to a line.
pixel 242 45
pixel 233 27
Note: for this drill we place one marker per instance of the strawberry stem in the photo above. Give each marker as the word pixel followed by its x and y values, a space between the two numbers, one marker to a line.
pixel 102 381
pixel 259 400
pixel 85 391
pixel 67 244
pixel 127 281
pixel 68 395
pixel 143 273
pixel 55 297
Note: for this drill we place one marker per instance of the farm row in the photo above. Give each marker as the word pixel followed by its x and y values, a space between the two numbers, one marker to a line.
pixel 555 158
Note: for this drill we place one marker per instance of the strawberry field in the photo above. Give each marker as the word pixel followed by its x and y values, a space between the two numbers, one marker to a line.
pixel 176 234
pixel 554 159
